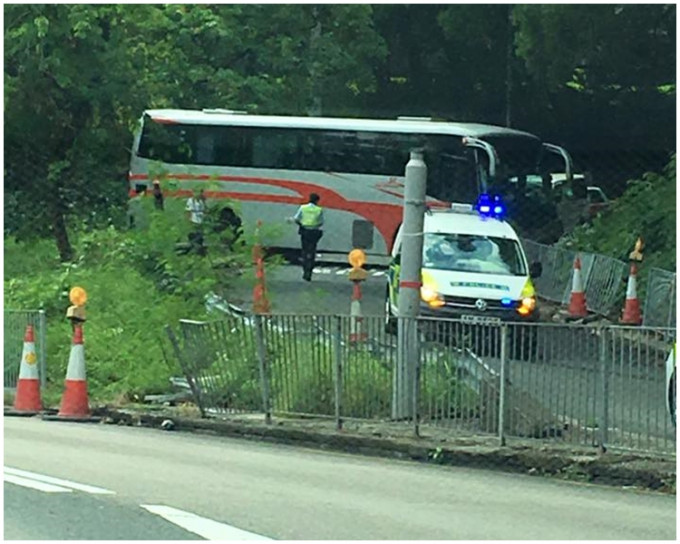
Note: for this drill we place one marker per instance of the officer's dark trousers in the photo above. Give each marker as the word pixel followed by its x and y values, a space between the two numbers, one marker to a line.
pixel 309 239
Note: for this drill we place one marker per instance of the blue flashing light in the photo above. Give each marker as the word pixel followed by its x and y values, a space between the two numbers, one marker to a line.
pixel 490 206
pixel 506 301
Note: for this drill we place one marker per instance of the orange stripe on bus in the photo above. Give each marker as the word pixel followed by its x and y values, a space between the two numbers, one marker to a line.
pixel 385 217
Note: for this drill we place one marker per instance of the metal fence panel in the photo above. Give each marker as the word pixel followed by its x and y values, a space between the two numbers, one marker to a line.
pixel 637 416
pixel 552 282
pixel 574 384
pixel 14 331
pixel 659 309
pixel 605 287
pixel 603 281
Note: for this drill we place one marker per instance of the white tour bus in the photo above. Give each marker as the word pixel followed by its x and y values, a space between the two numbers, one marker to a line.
pixel 268 166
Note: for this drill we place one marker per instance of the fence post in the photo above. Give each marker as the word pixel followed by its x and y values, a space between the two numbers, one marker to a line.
pixel 42 342
pixel 501 394
pixel 603 418
pixel 337 348
pixel 262 358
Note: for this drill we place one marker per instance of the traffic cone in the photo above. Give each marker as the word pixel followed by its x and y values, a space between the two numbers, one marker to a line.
pixel 260 300
pixel 74 401
pixel 577 302
pixel 27 398
pixel 356 333
pixel 631 309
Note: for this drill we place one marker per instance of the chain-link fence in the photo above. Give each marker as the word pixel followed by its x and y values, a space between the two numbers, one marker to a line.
pixel 16 322
pixel 575 384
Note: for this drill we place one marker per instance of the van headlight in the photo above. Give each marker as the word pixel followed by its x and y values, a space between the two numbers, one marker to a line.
pixel 431 297
pixel 526 306
pixel 527 299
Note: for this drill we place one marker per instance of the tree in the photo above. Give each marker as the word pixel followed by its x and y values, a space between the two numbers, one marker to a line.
pixel 77 76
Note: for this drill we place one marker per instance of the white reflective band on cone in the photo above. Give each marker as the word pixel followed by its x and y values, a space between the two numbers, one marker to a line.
pixel 28 369
pixel 76 363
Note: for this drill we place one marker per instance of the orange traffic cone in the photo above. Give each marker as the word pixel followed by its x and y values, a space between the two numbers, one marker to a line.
pixel 27 398
pixel 577 302
pixel 356 334
pixel 74 401
pixel 260 300
pixel 631 309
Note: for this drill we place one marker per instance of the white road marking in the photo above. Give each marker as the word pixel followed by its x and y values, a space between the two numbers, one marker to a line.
pixel 32 484
pixel 24 474
pixel 207 528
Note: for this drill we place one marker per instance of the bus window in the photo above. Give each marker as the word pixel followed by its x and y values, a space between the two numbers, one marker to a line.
pixel 205 147
pixel 517 155
pixel 234 147
pixel 168 143
pixel 274 149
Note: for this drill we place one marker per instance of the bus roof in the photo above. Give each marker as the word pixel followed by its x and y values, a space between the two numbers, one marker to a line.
pixel 413 125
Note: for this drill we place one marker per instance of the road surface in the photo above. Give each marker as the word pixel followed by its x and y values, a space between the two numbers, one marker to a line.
pixel 329 292
pixel 137 483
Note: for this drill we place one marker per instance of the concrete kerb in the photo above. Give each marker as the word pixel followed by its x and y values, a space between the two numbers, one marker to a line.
pixel 583 465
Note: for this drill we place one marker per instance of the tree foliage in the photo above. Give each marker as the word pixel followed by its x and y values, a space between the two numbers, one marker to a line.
pixel 646 209
pixel 599 79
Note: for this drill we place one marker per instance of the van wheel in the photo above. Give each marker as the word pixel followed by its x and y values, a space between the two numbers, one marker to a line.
pixel 390 320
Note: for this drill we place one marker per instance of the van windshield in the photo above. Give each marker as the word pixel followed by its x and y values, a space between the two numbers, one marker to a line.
pixel 471 253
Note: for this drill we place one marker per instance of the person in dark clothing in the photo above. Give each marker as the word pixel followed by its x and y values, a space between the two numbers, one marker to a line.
pixel 229 225
pixel 309 219
pixel 157 195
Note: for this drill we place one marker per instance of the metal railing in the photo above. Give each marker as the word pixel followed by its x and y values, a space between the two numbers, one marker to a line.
pixel 571 383
pixel 604 282
pixel 659 308
pixel 14 331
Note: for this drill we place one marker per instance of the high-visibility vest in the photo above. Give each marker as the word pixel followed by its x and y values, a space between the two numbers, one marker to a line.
pixel 310 215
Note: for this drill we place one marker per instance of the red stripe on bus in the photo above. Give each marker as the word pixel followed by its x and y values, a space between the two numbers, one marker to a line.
pixel 385 217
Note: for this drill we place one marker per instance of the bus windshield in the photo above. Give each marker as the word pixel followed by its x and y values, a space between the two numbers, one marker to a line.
pixel 470 253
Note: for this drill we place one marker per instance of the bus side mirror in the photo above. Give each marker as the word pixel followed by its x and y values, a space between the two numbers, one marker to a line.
pixel 535 270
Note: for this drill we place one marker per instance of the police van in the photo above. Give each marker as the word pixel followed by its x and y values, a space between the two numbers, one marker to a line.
pixel 474 268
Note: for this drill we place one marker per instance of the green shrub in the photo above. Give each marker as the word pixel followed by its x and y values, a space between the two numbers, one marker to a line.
pixel 647 209
pixel 136 284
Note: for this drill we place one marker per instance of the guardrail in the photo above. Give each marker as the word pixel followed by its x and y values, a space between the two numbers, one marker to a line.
pixel 14 330
pixel 571 383
pixel 604 280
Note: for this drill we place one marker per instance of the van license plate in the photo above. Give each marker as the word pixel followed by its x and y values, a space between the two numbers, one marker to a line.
pixel 480 320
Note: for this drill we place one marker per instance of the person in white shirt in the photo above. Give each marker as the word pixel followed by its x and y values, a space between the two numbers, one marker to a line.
pixel 195 209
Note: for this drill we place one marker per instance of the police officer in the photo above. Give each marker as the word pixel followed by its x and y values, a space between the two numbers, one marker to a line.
pixel 309 218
